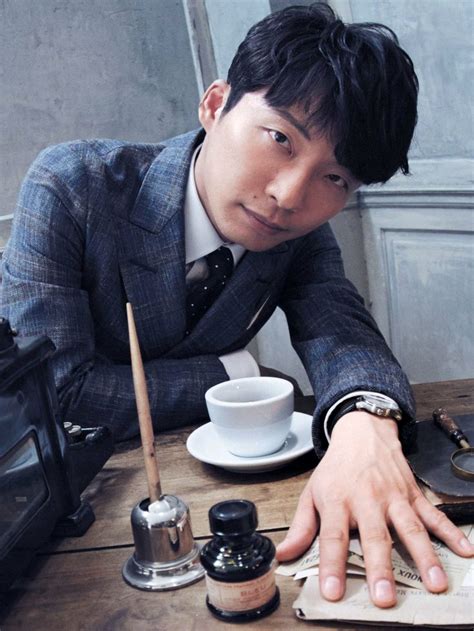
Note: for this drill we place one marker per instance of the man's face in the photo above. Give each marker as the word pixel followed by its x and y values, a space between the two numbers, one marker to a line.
pixel 263 175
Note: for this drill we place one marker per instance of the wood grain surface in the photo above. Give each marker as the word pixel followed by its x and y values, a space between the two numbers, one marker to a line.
pixel 85 592
pixel 456 396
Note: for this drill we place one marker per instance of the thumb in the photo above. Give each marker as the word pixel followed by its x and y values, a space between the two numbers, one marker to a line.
pixel 302 530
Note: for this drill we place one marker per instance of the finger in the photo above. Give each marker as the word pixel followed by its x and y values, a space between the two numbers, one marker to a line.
pixel 414 537
pixel 377 548
pixel 302 530
pixel 443 528
pixel 333 546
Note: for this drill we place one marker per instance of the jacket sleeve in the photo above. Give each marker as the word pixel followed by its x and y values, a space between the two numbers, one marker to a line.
pixel 43 293
pixel 336 338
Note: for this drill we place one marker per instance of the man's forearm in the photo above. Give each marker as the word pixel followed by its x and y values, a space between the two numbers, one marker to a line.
pixel 102 393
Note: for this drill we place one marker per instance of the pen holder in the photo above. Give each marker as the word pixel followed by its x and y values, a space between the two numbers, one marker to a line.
pixel 166 555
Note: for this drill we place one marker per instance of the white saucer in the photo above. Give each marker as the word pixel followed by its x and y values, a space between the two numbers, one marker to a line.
pixel 204 445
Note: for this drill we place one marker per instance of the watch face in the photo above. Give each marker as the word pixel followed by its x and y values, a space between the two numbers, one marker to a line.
pixel 380 401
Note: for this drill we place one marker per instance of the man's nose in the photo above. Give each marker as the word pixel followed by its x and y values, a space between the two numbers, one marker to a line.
pixel 289 188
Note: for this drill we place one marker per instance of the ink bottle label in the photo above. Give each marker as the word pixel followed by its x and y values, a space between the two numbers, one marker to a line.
pixel 242 596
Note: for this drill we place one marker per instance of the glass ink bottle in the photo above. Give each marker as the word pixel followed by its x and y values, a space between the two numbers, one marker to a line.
pixel 239 564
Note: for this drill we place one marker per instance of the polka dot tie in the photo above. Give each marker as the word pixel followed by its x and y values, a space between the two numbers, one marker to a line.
pixel 203 293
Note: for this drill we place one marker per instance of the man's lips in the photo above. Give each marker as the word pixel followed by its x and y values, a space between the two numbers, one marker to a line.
pixel 270 227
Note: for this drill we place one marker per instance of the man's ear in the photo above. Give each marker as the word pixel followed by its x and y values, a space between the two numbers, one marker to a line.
pixel 213 102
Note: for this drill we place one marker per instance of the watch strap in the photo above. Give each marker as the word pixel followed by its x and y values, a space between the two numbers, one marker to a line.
pixel 350 405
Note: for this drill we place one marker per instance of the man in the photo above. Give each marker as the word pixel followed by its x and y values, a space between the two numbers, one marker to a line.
pixel 310 110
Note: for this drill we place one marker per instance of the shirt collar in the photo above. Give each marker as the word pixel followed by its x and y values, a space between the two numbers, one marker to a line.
pixel 199 233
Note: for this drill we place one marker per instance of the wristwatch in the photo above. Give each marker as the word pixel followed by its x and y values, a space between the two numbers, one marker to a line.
pixel 377 404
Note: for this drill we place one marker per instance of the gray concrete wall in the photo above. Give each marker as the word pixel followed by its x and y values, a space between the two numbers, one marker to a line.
pixel 89 68
pixel 229 23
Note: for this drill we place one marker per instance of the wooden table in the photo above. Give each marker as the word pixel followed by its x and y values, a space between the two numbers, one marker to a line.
pixel 77 583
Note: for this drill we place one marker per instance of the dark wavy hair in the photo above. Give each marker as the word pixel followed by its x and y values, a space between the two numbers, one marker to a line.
pixel 354 82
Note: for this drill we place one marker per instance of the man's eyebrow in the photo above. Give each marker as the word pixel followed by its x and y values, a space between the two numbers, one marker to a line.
pixel 295 122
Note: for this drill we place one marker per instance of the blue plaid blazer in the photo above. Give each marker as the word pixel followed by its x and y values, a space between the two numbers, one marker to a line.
pixel 99 223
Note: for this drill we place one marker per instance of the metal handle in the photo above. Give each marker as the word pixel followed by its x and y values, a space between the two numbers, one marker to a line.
pixel 450 427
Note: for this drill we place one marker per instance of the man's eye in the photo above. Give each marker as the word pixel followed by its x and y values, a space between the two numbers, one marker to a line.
pixel 338 180
pixel 278 137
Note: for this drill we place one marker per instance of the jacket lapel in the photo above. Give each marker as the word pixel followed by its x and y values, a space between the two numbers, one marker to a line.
pixel 152 249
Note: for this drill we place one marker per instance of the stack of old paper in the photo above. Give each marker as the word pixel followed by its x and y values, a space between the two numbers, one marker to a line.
pixel 415 606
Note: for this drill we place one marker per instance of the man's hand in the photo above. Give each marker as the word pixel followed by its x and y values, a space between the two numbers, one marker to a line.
pixel 365 482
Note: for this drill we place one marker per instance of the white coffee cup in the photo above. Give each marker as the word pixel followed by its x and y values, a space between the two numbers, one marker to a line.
pixel 252 416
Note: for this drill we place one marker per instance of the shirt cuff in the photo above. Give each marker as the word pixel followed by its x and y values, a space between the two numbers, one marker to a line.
pixel 240 364
pixel 351 395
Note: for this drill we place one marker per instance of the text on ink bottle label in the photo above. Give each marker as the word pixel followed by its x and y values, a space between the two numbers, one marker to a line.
pixel 242 596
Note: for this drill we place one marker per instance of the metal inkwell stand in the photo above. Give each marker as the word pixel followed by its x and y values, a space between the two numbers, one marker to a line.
pixel 166 555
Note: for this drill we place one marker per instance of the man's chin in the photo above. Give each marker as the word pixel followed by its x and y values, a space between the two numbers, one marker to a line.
pixel 251 240
pixel 259 245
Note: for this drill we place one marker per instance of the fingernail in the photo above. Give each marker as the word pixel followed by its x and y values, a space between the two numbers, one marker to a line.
pixel 384 591
pixel 437 576
pixel 332 588
pixel 466 545
pixel 284 543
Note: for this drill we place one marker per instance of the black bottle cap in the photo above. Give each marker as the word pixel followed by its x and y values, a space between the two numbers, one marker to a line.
pixel 233 517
